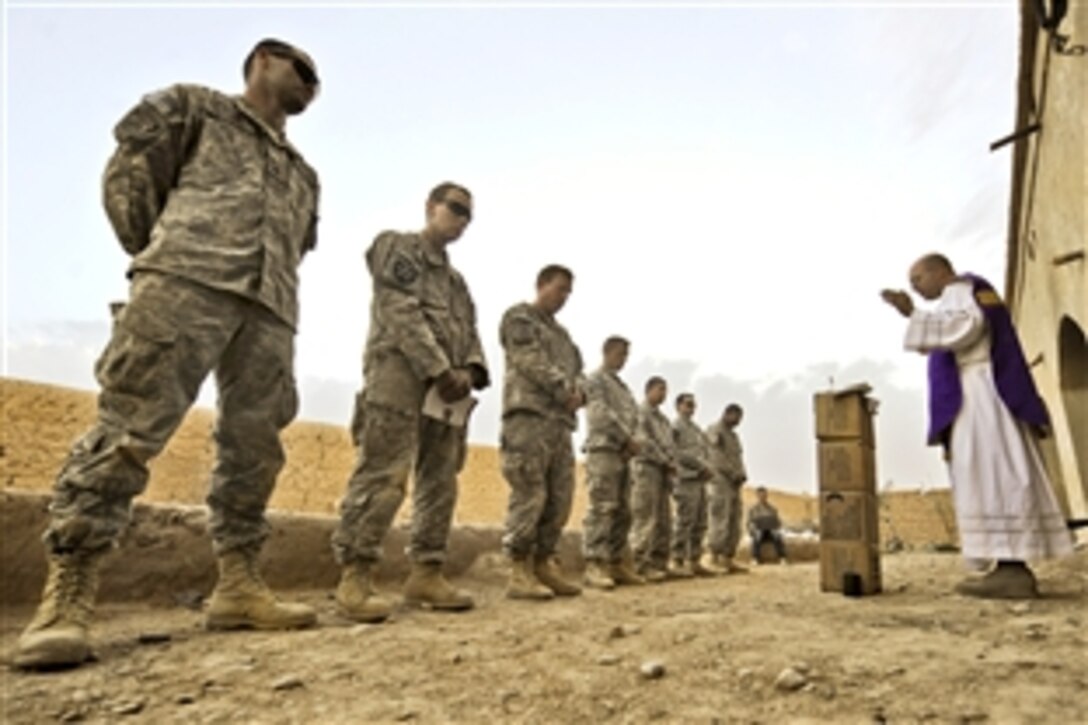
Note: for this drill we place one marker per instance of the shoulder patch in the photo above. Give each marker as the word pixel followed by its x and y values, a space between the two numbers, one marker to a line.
pixel 141 123
pixel 988 298
pixel 521 331
pixel 404 270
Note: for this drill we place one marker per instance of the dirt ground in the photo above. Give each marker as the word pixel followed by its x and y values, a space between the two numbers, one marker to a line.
pixel 916 653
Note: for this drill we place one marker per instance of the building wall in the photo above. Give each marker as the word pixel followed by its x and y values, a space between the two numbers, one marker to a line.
pixel 39 422
pixel 1047 283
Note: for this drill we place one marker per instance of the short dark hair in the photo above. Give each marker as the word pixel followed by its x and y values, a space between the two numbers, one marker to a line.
pixel 682 397
pixel 936 259
pixel 761 488
pixel 438 193
pixel 552 271
pixel 270 44
pixel 655 380
pixel 614 341
pixel 733 408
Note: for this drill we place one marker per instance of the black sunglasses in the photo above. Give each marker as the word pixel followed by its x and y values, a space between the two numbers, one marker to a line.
pixel 305 72
pixel 459 209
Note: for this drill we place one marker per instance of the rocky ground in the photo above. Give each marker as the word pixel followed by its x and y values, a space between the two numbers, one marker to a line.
pixel 763 647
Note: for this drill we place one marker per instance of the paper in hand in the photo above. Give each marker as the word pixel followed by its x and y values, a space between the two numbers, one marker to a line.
pixel 455 413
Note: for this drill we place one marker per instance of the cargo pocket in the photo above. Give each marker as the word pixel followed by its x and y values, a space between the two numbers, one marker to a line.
pixel 462 447
pixel 521 463
pixel 288 407
pixel 139 353
pixel 358 419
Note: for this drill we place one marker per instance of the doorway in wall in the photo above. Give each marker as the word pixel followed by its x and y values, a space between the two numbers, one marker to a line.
pixel 1073 379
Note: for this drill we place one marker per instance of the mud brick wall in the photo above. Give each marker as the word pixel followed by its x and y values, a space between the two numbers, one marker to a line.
pixel 918 518
pixel 39 422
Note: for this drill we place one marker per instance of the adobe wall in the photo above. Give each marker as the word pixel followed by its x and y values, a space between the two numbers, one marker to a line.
pixel 39 422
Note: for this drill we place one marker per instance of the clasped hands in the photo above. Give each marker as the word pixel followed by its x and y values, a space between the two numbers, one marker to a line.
pixel 454 384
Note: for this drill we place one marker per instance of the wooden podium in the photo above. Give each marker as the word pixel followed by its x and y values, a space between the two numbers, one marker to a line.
pixel 849 509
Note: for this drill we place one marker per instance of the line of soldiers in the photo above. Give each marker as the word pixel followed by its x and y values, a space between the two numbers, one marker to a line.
pixel 636 461
pixel 217 210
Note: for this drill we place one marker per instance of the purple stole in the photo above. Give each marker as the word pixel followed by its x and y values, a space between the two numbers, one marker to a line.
pixel 1010 370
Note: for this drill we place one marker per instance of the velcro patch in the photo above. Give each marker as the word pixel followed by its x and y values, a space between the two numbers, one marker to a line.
pixel 404 271
pixel 521 332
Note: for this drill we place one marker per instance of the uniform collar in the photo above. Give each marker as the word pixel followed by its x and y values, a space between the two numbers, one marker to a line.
pixel 611 373
pixel 277 137
pixel 437 257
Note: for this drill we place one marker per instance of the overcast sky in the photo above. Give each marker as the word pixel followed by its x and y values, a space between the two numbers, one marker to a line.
pixel 732 184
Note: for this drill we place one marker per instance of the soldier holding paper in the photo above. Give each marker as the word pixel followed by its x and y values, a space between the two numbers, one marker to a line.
pixel 423 358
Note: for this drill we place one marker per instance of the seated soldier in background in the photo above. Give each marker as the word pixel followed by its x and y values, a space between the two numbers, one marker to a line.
pixel 764 525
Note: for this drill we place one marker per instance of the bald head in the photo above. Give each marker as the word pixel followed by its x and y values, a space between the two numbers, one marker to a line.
pixel 930 274
pixel 935 260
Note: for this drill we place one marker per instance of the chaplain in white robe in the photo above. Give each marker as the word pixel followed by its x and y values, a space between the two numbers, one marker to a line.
pixel 1005 505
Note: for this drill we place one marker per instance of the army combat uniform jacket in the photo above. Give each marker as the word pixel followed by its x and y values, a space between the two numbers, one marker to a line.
pixel 657 447
pixel 727 454
pixel 692 451
pixel 611 412
pixel 543 365
pixel 422 322
pixel 201 188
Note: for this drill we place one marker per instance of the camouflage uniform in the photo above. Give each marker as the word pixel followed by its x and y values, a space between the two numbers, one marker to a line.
pixel 652 479
pixel 726 459
pixel 422 323
pixel 543 366
pixel 693 454
pixel 764 524
pixel 218 210
pixel 612 415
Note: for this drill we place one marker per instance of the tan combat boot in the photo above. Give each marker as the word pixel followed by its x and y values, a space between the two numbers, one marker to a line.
pixel 698 569
pixel 652 574
pixel 681 569
pixel 733 567
pixel 356 596
pixel 718 564
pixel 427 587
pixel 523 582
pixel 548 573
pixel 57 636
pixel 242 600
pixel 624 574
pixel 598 577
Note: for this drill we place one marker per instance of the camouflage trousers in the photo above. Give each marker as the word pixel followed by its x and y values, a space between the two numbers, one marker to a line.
pixel 393 445
pixel 608 516
pixel 651 515
pixel 165 342
pixel 725 515
pixel 538 464
pixel 690 524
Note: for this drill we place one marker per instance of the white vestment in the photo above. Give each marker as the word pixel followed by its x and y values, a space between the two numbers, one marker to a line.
pixel 1005 505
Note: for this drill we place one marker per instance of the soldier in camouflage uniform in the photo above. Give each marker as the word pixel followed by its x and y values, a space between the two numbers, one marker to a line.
pixel 217 209
pixel 612 416
pixel 653 472
pixel 693 454
pixel 727 461
pixel 542 391
pixel 422 341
